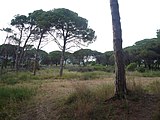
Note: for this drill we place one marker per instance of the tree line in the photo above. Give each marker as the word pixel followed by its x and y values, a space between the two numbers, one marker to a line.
pixel 144 53
pixel 38 28
pixel 22 47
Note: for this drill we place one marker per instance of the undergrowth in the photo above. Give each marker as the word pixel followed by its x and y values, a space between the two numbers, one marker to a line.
pixel 11 98
pixel 89 104
pixel 85 103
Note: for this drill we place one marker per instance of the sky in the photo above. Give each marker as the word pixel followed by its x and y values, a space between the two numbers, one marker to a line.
pixel 139 18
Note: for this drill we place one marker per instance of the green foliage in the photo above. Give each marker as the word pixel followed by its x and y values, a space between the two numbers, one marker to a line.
pixel 99 67
pixel 76 26
pixel 14 78
pixel 14 94
pixel 82 74
pixel 80 68
pixel 88 76
pixel 141 69
pixel 147 73
pixel 92 68
pixel 151 74
pixel 83 55
pixel 92 75
pixel 110 69
pixel 132 67
pixel 55 57
pixel 70 75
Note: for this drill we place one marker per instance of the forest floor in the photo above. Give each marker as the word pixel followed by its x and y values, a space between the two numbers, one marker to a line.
pixel 48 103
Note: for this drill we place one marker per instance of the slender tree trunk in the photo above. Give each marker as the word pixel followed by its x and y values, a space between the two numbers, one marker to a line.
pixel 36 56
pixel 22 52
pixel 17 52
pixel 62 58
pixel 120 82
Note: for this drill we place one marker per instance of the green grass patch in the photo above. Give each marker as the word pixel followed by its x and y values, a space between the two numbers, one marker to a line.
pixel 72 75
pixel 147 73
pixel 15 94
pixel 12 78
pixel 11 98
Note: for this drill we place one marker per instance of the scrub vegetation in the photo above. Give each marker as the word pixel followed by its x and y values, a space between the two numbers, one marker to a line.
pixel 77 95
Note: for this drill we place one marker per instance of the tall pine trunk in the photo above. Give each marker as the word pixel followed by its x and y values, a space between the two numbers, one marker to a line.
pixel 120 79
pixel 62 58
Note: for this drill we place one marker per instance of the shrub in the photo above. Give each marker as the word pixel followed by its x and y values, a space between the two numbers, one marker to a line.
pixel 94 75
pixel 110 68
pixel 132 67
pixel 80 68
pixel 99 67
pixel 141 69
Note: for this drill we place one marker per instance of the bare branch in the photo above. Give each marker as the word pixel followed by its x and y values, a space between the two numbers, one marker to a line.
pixel 56 41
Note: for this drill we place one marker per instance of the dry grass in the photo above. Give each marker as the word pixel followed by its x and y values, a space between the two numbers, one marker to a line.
pixel 51 96
pixel 84 99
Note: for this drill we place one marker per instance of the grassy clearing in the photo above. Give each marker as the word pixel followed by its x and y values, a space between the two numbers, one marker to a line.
pixel 12 78
pixel 76 95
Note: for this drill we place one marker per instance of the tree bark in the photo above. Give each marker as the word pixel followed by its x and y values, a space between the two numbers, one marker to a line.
pixel 24 46
pixel 62 58
pixel 17 52
pixel 120 79
pixel 36 55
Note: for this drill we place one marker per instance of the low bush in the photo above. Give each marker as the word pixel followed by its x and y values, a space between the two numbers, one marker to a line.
pixel 132 67
pixel 94 75
pixel 96 67
pixel 80 68
pixel 99 67
pixel 140 69
pixel 110 68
